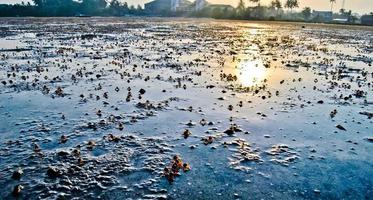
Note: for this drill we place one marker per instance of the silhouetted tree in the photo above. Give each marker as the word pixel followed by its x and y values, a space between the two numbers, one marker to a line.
pixel 38 2
pixel 241 8
pixel 93 7
pixel 276 4
pixel 256 1
pixel 306 12
pixel 332 3
pixel 115 8
pixel 291 4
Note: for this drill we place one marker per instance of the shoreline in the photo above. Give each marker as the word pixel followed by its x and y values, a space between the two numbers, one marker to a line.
pixel 196 18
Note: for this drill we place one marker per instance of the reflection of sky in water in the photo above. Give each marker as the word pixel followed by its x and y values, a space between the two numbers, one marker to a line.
pixel 15 42
pixel 9 44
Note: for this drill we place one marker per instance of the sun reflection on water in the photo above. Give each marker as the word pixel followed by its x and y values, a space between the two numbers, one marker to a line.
pixel 250 70
pixel 251 73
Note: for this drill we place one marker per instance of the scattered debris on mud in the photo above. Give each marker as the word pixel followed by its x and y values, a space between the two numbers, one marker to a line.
pixel 99 107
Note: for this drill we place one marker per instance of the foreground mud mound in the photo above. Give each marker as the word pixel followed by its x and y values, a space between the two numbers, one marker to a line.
pixel 100 107
pixel 91 170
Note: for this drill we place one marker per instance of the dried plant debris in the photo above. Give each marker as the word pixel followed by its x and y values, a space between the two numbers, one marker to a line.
pixel 283 154
pixel 243 153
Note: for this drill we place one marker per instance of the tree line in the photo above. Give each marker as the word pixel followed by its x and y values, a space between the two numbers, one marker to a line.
pixel 68 8
pixel 274 11
pixel 65 8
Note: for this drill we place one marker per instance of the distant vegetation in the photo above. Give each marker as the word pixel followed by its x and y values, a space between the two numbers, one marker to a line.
pixel 65 8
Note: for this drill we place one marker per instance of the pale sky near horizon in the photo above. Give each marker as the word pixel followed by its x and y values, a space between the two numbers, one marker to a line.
pixel 359 6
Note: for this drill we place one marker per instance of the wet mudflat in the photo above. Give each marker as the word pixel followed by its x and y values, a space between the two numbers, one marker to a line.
pixel 98 108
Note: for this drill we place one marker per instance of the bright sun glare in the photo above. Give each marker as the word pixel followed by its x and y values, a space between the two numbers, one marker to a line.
pixel 250 73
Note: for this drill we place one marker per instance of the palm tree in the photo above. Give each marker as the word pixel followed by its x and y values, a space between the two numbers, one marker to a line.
pixel 276 4
pixel 241 8
pixel 342 11
pixel 256 1
pixel 291 4
pixel 38 2
pixel 332 2
pixel 306 12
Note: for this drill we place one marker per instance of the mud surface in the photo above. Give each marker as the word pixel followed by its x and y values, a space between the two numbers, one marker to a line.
pixel 97 107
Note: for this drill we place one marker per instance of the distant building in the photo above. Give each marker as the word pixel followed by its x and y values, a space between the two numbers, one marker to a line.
pixel 200 4
pixel 158 6
pixel 164 6
pixel 367 20
pixel 182 6
pixel 322 16
pixel 341 20
pixel 175 5
pixel 220 7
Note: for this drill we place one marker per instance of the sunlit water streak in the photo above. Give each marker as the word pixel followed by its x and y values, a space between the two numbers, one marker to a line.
pixel 250 73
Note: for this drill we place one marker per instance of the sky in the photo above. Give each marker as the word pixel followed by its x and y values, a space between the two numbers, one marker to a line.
pixel 358 6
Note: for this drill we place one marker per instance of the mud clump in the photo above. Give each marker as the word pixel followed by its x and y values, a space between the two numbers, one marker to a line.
pixel 17 174
pixel 186 133
pixel 53 172
pixel 17 190
pixel 173 170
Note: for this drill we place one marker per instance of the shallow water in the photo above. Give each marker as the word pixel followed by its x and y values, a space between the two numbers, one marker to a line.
pixel 279 83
